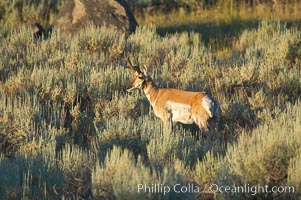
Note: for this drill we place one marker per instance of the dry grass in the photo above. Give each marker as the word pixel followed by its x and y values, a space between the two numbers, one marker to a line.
pixel 69 130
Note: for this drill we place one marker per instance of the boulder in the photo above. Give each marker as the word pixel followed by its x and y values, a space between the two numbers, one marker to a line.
pixel 76 14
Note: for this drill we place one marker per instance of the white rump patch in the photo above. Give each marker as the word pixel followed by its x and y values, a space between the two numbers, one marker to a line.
pixel 208 104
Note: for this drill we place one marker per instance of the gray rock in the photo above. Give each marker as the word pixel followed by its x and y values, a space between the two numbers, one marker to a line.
pixel 76 14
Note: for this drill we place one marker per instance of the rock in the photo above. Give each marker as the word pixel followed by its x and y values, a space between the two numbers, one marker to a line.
pixel 76 14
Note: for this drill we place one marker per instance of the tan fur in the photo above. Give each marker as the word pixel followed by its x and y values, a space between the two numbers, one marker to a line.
pixel 159 97
pixel 172 105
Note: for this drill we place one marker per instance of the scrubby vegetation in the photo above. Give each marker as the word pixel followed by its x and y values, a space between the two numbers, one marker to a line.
pixel 69 130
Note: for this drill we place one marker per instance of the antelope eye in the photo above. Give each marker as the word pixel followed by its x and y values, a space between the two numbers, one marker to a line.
pixel 141 77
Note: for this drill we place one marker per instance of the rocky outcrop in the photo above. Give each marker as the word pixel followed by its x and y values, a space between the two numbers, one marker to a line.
pixel 76 14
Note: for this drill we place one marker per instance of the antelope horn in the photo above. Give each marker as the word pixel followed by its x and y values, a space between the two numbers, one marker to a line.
pixel 145 69
pixel 131 66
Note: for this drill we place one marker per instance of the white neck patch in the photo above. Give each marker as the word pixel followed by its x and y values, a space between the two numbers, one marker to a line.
pixel 147 89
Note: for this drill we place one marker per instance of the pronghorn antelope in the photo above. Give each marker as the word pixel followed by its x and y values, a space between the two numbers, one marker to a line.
pixel 172 105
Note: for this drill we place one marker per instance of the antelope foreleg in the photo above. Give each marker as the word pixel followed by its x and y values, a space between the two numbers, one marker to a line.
pixel 167 123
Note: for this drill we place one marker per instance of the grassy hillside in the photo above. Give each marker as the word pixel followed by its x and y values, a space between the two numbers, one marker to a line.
pixel 69 129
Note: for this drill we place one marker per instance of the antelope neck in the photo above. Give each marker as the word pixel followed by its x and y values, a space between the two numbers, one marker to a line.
pixel 150 90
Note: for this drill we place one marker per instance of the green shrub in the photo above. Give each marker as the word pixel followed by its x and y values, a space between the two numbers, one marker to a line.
pixel 64 110
pixel 111 181
pixel 268 154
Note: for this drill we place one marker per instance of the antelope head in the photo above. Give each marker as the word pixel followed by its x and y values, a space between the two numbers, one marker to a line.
pixel 140 77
